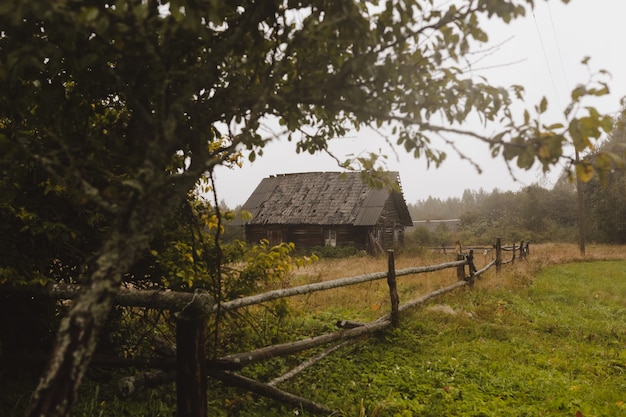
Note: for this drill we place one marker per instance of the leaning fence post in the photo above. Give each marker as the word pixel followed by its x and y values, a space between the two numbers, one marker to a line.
pixel 393 289
pixel 498 256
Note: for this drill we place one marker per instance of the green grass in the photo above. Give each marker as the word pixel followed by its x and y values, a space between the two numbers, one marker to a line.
pixel 554 348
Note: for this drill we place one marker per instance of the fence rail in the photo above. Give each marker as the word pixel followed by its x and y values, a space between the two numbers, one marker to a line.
pixel 194 309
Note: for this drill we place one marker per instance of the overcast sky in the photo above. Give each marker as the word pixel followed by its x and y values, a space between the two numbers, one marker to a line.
pixel 543 53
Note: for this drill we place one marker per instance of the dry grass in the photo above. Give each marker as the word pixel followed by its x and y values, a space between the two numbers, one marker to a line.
pixel 371 300
pixel 368 300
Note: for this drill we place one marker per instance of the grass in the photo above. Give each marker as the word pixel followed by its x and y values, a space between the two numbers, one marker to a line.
pixel 546 338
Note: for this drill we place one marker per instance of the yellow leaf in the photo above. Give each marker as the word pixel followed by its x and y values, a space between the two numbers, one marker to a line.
pixel 544 152
pixel 584 171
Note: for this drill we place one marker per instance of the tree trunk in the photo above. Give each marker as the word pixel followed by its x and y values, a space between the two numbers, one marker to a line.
pixel 78 332
pixel 77 337
pixel 580 202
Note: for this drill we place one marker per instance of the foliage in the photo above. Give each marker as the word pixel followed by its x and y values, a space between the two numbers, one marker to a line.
pixel 333 252
pixel 420 236
pixel 112 112
pixel 267 268
pixel 534 213
pixel 605 194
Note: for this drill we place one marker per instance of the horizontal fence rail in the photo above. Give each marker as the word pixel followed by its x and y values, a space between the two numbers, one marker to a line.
pixel 193 310
pixel 326 285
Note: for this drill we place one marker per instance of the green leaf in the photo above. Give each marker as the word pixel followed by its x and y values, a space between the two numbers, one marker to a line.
pixel 543 106
pixel 578 92
pixel 607 124
pixel 526 159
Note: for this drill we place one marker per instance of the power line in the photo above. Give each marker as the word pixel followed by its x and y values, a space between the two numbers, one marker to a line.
pixel 545 57
pixel 558 46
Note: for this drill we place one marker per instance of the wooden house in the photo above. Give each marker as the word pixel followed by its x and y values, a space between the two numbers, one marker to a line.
pixel 327 209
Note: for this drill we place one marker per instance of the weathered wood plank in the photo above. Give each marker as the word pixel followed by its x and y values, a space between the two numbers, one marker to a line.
pixel 326 285
pixel 196 302
pixel 269 352
pixel 266 390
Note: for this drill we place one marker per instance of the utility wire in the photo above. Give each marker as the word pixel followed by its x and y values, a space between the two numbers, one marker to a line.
pixel 558 46
pixel 545 57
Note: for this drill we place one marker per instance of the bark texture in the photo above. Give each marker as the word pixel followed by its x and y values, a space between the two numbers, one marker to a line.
pixel 130 234
pixel 78 332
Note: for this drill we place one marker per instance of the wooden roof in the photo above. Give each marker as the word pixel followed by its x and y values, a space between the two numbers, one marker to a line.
pixel 328 198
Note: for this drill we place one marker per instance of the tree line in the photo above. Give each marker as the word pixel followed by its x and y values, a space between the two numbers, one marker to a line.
pixel 535 212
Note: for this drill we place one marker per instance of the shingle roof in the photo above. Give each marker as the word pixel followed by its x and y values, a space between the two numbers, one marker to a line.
pixel 321 198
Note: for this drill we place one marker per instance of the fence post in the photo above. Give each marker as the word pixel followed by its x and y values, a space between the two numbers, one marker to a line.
pixel 191 371
pixel 460 270
pixel 513 259
pixel 498 256
pixel 393 288
pixel 471 267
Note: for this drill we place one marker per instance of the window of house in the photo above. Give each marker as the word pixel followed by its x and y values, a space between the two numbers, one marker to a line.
pixel 330 238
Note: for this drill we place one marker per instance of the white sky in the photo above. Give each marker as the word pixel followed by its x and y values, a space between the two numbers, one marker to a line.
pixel 543 54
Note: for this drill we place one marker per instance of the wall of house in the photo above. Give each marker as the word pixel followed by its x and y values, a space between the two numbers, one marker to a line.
pixel 307 236
pixel 356 236
pixel 389 230
pixel 274 233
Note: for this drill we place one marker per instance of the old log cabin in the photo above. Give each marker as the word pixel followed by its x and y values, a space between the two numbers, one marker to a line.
pixel 327 209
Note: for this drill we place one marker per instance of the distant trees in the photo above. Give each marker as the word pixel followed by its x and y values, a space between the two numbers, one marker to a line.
pixel 536 213
pixel 605 193
pixel 539 214
pixel 435 209
pixel 533 213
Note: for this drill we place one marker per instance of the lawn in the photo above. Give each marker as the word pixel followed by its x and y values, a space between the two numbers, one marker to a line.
pixel 552 346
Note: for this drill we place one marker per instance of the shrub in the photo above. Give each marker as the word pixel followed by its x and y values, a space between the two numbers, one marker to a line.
pixel 336 252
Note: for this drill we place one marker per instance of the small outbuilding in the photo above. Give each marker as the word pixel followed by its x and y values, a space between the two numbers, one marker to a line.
pixel 327 209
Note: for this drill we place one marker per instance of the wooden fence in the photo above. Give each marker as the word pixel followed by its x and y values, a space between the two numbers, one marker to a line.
pixel 193 309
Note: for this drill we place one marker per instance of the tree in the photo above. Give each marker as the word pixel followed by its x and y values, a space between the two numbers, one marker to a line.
pixel 112 111
pixel 605 193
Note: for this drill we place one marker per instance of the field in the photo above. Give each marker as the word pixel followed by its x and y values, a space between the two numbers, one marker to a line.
pixel 546 338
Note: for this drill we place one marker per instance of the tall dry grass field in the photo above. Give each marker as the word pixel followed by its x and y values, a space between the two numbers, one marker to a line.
pixel 371 300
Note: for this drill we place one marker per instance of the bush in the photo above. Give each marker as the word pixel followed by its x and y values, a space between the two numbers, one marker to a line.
pixel 331 252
